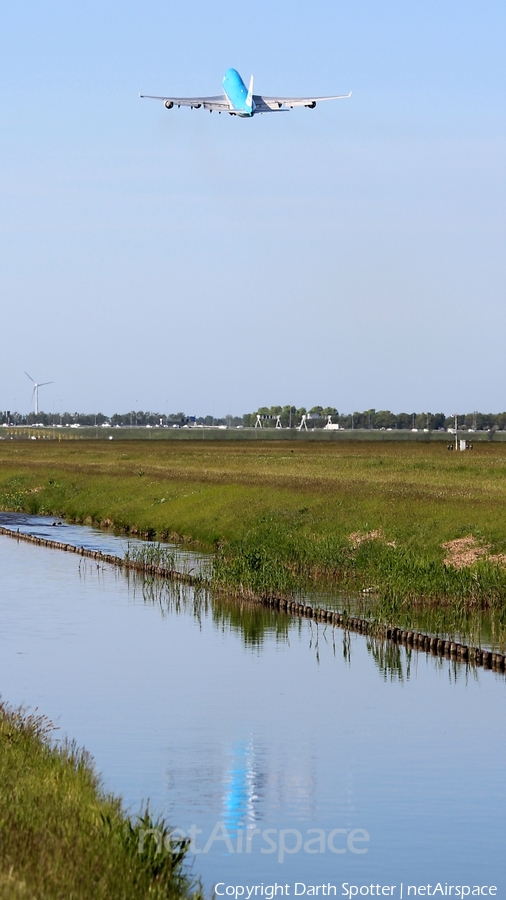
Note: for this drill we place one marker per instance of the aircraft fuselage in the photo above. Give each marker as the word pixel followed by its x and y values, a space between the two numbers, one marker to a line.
pixel 237 93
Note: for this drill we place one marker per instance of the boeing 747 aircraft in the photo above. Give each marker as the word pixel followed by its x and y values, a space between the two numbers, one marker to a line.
pixel 238 100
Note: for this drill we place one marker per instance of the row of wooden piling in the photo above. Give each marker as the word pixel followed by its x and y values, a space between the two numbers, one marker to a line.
pixel 416 640
pixel 449 649
pixel 145 568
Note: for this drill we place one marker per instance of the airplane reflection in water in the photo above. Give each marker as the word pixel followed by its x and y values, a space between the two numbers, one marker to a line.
pixel 248 781
pixel 244 787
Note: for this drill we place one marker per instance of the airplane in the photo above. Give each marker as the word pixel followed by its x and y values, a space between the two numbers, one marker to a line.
pixel 238 100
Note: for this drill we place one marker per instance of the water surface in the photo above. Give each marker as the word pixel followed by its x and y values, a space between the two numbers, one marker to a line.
pixel 222 712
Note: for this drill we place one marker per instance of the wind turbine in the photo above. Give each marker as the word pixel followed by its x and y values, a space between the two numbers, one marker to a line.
pixel 36 390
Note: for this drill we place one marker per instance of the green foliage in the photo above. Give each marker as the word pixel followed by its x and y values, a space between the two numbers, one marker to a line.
pixel 61 836
pixel 155 554
pixel 270 561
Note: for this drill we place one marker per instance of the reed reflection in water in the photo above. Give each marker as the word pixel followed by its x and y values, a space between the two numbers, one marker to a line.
pixel 256 624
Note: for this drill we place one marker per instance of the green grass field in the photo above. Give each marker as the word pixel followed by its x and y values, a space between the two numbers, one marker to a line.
pixel 358 514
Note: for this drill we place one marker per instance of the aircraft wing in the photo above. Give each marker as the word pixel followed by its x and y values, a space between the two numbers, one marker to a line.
pixel 274 104
pixel 221 103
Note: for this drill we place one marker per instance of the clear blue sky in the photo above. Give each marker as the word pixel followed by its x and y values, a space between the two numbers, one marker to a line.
pixel 352 255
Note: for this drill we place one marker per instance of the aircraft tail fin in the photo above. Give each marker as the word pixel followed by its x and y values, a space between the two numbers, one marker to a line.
pixel 249 98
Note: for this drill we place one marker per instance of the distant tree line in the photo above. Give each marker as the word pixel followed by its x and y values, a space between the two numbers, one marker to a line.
pixel 318 416
pixel 287 416
pixel 133 418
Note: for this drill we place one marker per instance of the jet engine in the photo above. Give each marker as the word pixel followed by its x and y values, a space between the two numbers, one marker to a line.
pixel 168 104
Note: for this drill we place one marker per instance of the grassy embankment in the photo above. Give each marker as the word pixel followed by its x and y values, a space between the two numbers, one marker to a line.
pixel 61 836
pixel 358 515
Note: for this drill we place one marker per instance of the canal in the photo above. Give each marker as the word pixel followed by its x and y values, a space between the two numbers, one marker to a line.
pixel 288 751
